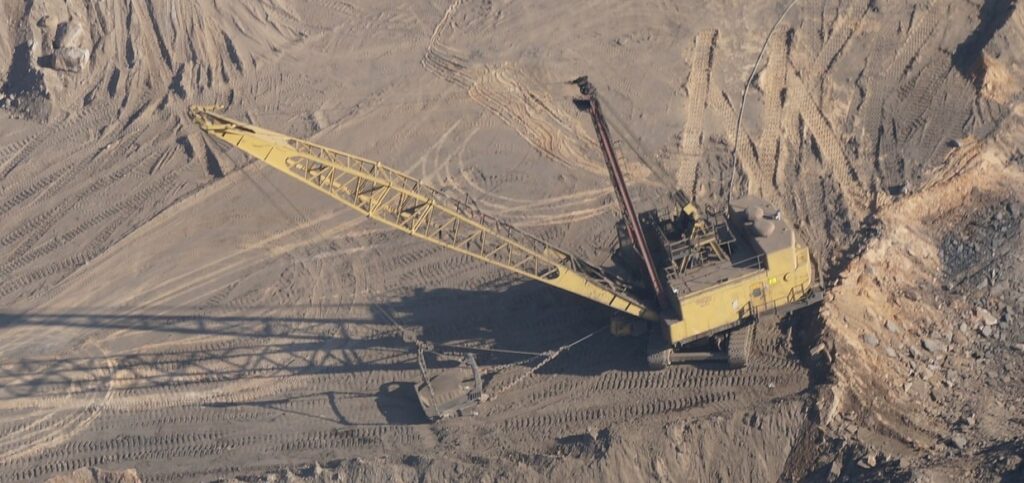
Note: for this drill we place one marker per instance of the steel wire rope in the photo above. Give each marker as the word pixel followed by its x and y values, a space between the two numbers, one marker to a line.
pixel 743 99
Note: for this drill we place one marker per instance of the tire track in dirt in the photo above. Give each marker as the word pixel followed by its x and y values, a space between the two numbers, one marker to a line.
pixel 631 404
pixel 10 284
pixel 56 135
pixel 578 417
pixel 935 133
pixel 533 212
pixel 13 151
pixel 619 396
pixel 506 93
pixel 59 426
pixel 746 155
pixel 915 96
pixel 225 270
pixel 764 366
pixel 775 76
pixel 840 33
pixel 697 100
pixel 642 382
pixel 13 148
pixel 890 68
pixel 833 152
pixel 511 95
pixel 68 132
pixel 136 449
pixel 529 211
pixel 260 357
pixel 35 227
pixel 171 446
pixel 29 231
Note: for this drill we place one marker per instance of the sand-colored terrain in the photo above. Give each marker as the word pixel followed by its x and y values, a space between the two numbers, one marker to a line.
pixel 170 306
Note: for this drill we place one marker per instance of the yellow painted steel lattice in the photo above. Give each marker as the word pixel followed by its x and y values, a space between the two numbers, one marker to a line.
pixel 403 202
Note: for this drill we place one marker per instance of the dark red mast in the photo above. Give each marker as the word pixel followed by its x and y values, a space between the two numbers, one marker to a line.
pixel 590 103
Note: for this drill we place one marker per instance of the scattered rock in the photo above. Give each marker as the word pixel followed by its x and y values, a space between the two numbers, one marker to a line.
pixel 97 475
pixel 892 326
pixel 986 331
pixel 933 345
pixel 870 339
pixel 959 338
pixel 836 469
pixel 1018 347
pixel 889 351
pixel 1000 288
pixel 1014 461
pixel 966 421
pixel 986 317
pixel 872 314
pixel 871 460
pixel 958 440
pixel 868 462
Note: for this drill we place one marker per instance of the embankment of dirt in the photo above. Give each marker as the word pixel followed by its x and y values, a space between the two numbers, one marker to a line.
pixel 920 363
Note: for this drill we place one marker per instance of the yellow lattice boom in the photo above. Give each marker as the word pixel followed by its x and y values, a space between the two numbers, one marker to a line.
pixel 405 203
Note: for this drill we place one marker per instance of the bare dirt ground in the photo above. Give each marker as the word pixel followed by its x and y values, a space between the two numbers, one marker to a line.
pixel 170 306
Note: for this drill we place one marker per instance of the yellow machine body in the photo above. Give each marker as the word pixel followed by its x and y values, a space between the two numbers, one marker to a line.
pixel 768 270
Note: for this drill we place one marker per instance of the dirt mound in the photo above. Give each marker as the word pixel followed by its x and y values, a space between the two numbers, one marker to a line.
pixel 67 55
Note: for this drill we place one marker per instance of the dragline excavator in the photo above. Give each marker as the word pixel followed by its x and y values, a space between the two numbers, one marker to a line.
pixel 695 285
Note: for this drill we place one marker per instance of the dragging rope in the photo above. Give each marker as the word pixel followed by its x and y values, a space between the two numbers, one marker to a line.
pixel 548 357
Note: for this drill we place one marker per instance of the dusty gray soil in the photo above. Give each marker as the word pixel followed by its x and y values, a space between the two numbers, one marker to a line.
pixel 170 306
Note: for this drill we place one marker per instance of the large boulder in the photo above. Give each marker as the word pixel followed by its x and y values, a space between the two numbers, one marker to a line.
pixel 69 34
pixel 72 59
pixel 71 52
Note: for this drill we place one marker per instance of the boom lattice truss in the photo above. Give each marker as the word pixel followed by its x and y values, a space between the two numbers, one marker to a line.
pixel 403 202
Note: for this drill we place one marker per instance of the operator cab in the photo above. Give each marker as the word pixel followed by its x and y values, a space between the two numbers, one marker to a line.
pixel 693 253
pixel 723 274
